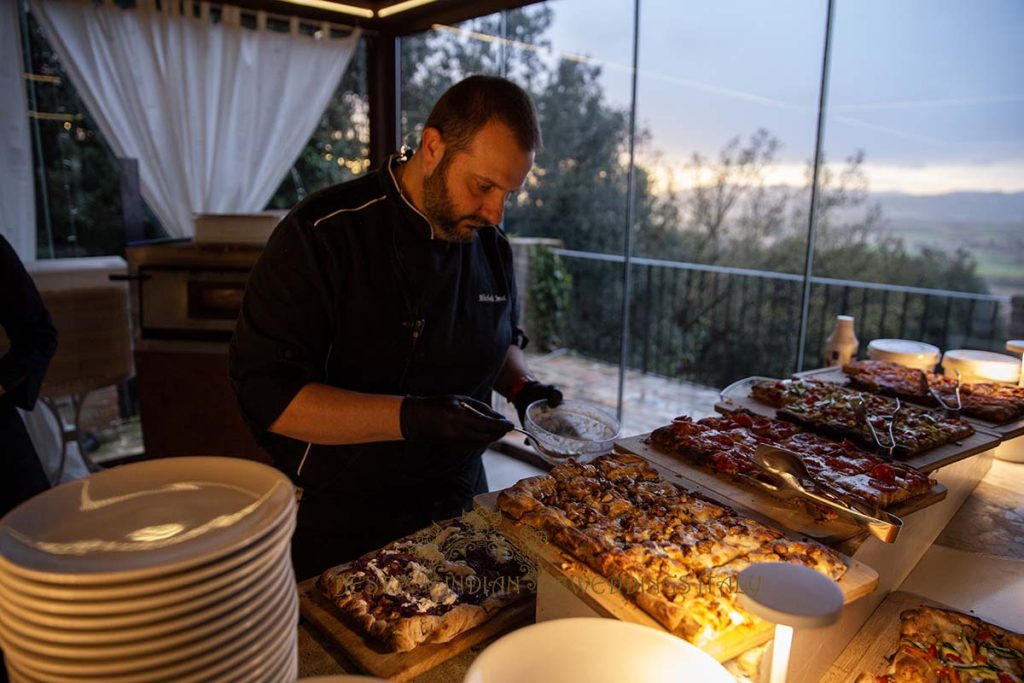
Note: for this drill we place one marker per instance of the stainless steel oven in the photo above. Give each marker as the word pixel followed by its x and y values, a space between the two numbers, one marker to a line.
pixel 189 303
pixel 189 291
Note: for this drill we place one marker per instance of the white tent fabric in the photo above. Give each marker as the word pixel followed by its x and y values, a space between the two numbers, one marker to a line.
pixel 215 113
pixel 17 191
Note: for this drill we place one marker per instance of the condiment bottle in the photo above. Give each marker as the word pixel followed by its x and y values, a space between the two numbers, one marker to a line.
pixel 841 346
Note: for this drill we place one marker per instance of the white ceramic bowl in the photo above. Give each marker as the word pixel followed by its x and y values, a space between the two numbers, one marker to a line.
pixel 596 651
pixel 906 352
pixel 981 366
pixel 572 428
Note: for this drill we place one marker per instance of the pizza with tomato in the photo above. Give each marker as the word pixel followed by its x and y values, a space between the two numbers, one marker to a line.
pixel 726 445
pixel 998 403
pixel 830 409
pixel 939 645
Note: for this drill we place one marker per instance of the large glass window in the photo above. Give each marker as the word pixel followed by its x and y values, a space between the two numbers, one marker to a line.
pixel 918 186
pixel 728 101
pixel 576 64
pixel 78 185
pixel 339 148
pixel 921 198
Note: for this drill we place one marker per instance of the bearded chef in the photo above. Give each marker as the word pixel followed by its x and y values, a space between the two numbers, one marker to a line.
pixel 377 322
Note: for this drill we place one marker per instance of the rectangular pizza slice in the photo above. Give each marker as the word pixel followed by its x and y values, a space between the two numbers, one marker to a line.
pixel 996 403
pixel 726 444
pixel 431 586
pixel 942 645
pixel 837 411
pixel 664 549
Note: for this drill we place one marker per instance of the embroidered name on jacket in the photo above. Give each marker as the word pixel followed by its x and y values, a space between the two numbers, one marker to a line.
pixel 493 298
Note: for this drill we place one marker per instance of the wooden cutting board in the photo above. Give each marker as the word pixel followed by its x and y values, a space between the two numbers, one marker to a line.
pixel 876 640
pixel 1007 430
pixel 609 600
pixel 735 492
pixel 402 666
pixel 737 397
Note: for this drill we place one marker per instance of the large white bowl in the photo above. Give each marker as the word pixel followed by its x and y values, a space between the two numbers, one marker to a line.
pixel 595 651
pixel 143 520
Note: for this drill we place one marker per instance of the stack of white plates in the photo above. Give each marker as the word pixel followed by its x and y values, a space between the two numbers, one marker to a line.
pixel 174 569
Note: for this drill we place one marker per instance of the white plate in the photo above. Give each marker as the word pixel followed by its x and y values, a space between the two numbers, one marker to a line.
pixel 596 651
pixel 51 609
pixel 258 583
pixel 156 585
pixel 136 589
pixel 199 669
pixel 143 520
pixel 254 602
pixel 273 612
pixel 273 665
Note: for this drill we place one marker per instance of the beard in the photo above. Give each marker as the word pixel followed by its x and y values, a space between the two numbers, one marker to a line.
pixel 439 208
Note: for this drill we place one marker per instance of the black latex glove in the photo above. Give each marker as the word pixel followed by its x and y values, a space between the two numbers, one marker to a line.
pixel 535 391
pixel 447 420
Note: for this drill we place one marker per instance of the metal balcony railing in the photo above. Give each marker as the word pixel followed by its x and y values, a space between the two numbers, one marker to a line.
pixel 715 324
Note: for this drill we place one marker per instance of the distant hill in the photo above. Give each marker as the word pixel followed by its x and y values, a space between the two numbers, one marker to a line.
pixel 982 207
pixel 989 225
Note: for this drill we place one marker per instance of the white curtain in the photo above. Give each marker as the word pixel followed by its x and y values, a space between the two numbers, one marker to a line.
pixel 17 192
pixel 215 113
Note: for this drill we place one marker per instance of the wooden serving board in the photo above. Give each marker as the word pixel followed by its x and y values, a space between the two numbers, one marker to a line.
pixel 876 640
pixel 979 442
pixel 402 666
pixel 608 600
pixel 1007 430
pixel 735 492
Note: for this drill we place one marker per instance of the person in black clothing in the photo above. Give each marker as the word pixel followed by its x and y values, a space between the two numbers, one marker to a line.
pixel 378 320
pixel 33 341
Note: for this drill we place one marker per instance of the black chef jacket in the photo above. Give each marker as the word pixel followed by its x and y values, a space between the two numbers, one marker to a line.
pixel 353 290
pixel 33 341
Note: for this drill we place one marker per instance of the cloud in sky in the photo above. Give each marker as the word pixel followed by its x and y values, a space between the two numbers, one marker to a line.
pixel 917 180
pixel 930 90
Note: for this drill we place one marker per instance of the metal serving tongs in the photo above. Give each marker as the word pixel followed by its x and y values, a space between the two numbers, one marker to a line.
pixel 861 411
pixel 951 410
pixel 787 467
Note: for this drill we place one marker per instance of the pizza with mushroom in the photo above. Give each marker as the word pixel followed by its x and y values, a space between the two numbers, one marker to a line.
pixel 431 586
pixel 674 553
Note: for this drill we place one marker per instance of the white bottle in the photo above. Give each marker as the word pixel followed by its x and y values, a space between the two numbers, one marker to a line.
pixel 841 346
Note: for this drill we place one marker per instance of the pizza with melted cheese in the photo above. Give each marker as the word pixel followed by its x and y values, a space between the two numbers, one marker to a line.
pixel 431 586
pixel 726 444
pixel 830 409
pixel 939 645
pixel 672 552
pixel 998 403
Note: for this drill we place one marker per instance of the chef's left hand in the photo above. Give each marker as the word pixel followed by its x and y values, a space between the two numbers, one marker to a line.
pixel 535 391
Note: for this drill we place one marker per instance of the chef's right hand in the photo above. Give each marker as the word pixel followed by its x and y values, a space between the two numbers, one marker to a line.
pixel 456 420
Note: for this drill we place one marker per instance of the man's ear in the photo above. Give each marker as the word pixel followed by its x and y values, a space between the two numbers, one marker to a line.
pixel 432 148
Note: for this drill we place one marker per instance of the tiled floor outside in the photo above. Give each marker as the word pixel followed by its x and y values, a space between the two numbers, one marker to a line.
pixel 649 401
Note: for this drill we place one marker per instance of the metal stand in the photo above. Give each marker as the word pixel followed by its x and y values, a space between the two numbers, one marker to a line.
pixel 69 434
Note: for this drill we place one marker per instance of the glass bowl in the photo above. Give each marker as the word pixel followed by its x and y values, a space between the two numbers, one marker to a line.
pixel 571 429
